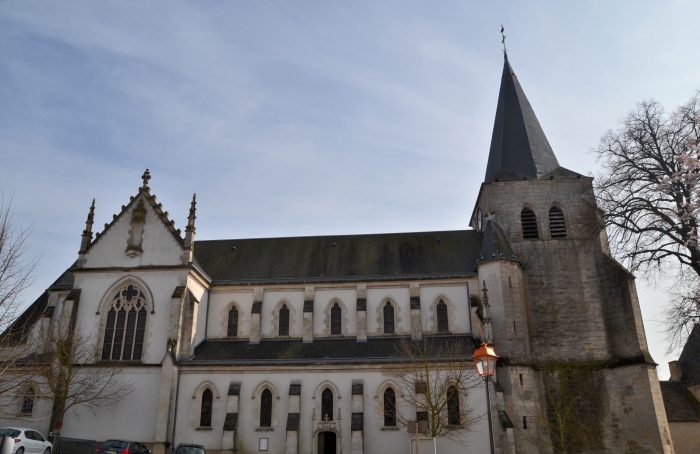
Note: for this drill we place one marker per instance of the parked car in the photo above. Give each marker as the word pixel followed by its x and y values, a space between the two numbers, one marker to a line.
pixel 122 447
pixel 27 441
pixel 186 448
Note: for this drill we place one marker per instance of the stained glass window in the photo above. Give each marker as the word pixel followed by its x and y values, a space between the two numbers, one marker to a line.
pixel 126 325
pixel 389 407
pixel 28 403
pixel 266 408
pixel 327 405
pixel 336 319
pixel 207 403
pixel 284 321
pixel 453 417
pixel 388 318
pixel 443 326
pixel 233 322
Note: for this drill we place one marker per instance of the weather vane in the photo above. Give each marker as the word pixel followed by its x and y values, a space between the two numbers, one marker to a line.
pixel 503 41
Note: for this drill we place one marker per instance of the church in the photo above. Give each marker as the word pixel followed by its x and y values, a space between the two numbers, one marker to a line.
pixel 291 345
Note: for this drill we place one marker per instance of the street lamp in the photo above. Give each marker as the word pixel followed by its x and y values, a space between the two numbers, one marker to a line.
pixel 485 361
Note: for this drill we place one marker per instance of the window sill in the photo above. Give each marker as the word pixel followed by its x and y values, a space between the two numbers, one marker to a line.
pixel 264 429
pixel 391 428
pixel 203 428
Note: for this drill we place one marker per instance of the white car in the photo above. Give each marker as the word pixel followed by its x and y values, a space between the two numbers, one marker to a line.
pixel 27 441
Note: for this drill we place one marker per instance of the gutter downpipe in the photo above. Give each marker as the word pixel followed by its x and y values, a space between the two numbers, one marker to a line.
pixel 177 397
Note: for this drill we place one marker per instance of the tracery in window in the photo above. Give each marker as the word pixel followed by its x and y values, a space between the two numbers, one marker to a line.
pixel 284 321
pixel 389 407
pixel 442 325
pixel 388 318
pixel 266 408
pixel 28 402
pixel 529 224
pixel 453 417
pixel 207 404
pixel 126 325
pixel 557 226
pixel 327 405
pixel 233 322
pixel 336 319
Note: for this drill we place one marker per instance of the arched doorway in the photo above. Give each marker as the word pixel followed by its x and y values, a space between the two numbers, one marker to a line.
pixel 326 443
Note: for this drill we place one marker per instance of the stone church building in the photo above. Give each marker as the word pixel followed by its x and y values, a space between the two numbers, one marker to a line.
pixel 290 344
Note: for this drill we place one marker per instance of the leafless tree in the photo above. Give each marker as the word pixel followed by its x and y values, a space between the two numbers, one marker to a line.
pixel 649 192
pixel 16 275
pixel 435 381
pixel 71 376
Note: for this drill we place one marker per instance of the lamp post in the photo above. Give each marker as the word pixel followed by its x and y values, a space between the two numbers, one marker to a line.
pixel 485 362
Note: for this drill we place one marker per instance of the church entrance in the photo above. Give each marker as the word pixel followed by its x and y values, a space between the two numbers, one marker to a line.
pixel 326 443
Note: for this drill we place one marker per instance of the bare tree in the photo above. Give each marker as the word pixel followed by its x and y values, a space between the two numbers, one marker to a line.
pixel 16 275
pixel 71 376
pixel 649 192
pixel 434 382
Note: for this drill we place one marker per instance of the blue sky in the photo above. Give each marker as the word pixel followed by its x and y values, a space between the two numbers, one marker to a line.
pixel 309 117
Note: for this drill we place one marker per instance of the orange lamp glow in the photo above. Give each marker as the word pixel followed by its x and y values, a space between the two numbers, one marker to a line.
pixel 485 361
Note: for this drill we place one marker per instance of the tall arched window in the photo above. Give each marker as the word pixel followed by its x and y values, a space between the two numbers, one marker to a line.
pixel 205 412
pixel 336 319
pixel 442 325
pixel 453 417
pixel 389 407
pixel 557 226
pixel 529 224
pixel 126 325
pixel 266 408
pixel 233 322
pixel 284 321
pixel 327 405
pixel 28 402
pixel 388 318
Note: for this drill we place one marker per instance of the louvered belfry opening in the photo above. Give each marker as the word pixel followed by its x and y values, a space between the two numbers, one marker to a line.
pixel 529 224
pixel 557 226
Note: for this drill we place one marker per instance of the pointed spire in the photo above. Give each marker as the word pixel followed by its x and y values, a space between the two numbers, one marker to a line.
pixel 519 147
pixel 192 217
pixel 87 233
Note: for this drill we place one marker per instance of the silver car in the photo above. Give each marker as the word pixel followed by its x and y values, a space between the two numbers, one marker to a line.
pixel 27 441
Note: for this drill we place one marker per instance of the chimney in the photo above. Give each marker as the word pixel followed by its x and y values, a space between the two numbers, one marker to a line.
pixel 676 372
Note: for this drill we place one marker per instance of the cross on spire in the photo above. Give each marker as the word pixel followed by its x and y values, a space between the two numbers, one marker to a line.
pixel 145 177
pixel 503 41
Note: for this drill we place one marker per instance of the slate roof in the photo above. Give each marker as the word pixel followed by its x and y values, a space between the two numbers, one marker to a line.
pixel 14 334
pixel 495 245
pixel 690 358
pixel 681 405
pixel 519 147
pixel 342 257
pixel 320 351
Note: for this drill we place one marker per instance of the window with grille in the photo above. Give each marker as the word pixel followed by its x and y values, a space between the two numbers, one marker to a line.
pixel 233 322
pixel 442 324
pixel 284 321
pixel 529 224
pixel 126 324
pixel 557 227
pixel 266 408
pixel 205 413
pixel 336 319
pixel 327 405
pixel 388 318
pixel 453 417
pixel 389 408
pixel 28 402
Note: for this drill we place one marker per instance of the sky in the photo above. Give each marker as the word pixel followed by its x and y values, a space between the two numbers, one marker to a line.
pixel 310 117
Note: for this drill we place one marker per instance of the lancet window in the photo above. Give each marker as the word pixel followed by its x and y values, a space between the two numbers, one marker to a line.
pixel 388 318
pixel 389 407
pixel 557 226
pixel 266 408
pixel 327 405
pixel 284 321
pixel 28 402
pixel 207 404
pixel 529 224
pixel 453 416
pixel 336 319
pixel 126 325
pixel 442 323
pixel 232 322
